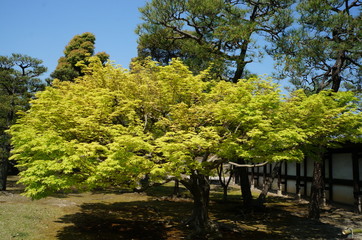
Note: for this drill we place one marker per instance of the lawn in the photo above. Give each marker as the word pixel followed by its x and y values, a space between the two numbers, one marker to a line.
pixel 156 215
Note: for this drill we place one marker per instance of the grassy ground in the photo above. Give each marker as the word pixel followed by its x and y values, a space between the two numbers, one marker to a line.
pixel 154 215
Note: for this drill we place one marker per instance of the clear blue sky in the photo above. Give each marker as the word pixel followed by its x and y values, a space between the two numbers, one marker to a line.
pixel 42 28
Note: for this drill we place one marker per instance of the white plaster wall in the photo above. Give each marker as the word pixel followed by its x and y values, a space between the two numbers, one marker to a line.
pixel 291 186
pixel 283 168
pixel 343 194
pixel 310 167
pixel 326 169
pixel 302 169
pixel 342 166
pixel 292 169
pixel 342 169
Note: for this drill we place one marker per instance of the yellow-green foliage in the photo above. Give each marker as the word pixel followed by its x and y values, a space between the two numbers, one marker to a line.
pixel 100 130
pixel 111 126
pixel 326 119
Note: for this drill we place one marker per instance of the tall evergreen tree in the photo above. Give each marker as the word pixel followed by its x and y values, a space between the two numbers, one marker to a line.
pixel 201 32
pixel 18 82
pixel 322 50
pixel 80 48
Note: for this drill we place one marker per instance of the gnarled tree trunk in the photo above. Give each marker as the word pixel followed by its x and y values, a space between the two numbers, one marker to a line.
pixel 245 185
pixel 199 186
pixel 317 189
pixel 268 184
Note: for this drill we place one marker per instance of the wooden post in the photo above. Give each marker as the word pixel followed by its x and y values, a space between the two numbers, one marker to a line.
pixel 258 174
pixel 270 169
pixel 324 199
pixel 297 184
pixel 286 176
pixel 305 171
pixel 252 185
pixel 271 173
pixel 356 185
pixel 279 191
pixel 264 175
pixel 236 175
pixel 330 176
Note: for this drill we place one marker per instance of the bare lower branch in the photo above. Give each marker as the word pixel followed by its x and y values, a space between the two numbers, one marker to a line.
pixel 248 165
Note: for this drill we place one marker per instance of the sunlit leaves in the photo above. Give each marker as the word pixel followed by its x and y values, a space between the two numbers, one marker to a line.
pixel 327 119
pixel 100 130
pixel 113 127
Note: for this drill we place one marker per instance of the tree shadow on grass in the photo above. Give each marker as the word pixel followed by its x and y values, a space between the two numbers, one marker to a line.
pixel 12 185
pixel 155 219
pixel 167 191
pixel 162 217
pixel 131 220
pixel 280 219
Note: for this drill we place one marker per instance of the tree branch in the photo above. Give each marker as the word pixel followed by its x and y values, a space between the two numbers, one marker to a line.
pixel 352 61
pixel 186 34
pixel 248 165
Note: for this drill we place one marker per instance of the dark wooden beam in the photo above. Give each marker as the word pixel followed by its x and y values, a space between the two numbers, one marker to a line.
pixel 297 184
pixel 330 176
pixel 356 182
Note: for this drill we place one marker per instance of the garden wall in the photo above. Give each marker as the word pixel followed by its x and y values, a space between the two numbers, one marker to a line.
pixel 342 172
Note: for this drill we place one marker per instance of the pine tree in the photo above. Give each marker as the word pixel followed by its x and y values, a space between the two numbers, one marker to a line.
pixel 18 83
pixel 78 50
pixel 220 33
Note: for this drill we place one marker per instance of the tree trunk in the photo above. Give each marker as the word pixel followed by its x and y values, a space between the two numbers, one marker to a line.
pixel 241 63
pixel 239 71
pixel 316 191
pixel 236 175
pixel 268 184
pixel 224 181
pixel 5 146
pixel 4 163
pixel 199 186
pixel 337 69
pixel 3 173
pixel 176 189
pixel 225 194
pixel 245 187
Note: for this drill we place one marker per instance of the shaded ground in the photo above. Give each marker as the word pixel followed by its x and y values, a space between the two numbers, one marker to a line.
pixel 115 215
